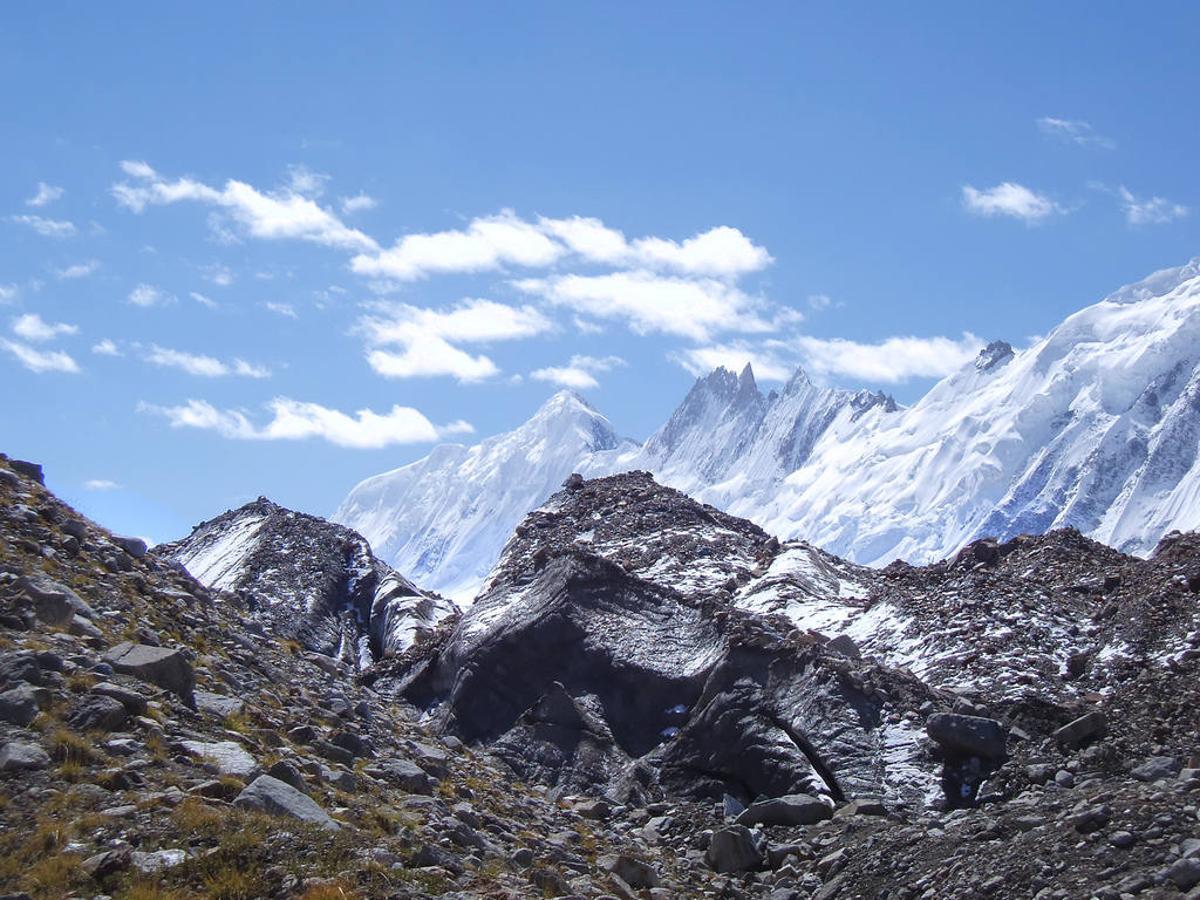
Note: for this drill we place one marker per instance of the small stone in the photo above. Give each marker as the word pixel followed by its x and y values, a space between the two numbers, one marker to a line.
pixel 1156 768
pixel 149 863
pixel 409 776
pixel 19 705
pixel 1185 873
pixel 634 872
pixel 135 704
pixel 107 863
pixel 1064 779
pixel 1090 818
pixel 288 774
pixel 1121 839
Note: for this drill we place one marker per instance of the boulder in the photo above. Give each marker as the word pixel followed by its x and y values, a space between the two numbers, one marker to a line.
pixel 228 757
pixel 272 796
pixel 20 667
pixel 17 756
pixel 407 775
pixel 793 809
pixel 734 849
pixel 135 547
pixel 634 872
pixel 1085 728
pixel 218 705
pixel 28 469
pixel 19 706
pixel 135 704
pixel 288 774
pixel 96 713
pixel 970 735
pixel 53 603
pixel 1156 768
pixel 158 665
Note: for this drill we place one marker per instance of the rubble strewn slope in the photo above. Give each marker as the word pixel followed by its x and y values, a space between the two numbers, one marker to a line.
pixel 157 741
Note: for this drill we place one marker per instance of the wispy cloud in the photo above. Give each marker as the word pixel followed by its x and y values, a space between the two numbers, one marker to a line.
pixel 1149 210
pixel 79 270
pixel 1009 199
pixel 426 338
pixel 202 365
pixel 281 309
pixel 8 293
pixel 32 327
pixel 51 228
pixel 40 360
pixel 203 299
pixel 358 203
pixel 221 276
pixel 694 308
pixel 283 214
pixel 580 373
pixel 45 195
pixel 293 420
pixel 106 347
pixel 147 295
pixel 893 360
pixel 1075 131
pixel 101 484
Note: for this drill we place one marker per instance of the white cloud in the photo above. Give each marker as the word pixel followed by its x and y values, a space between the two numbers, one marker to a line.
pixel 8 293
pixel 293 420
pixel 203 299
pixel 694 308
pixel 106 347
pixel 1009 199
pixel 79 270
pixel 46 194
pixel 32 327
pixel 424 337
pixel 493 242
pixel 819 302
pixel 285 214
pixel 1076 131
pixel 53 228
pixel 579 373
pixel 766 364
pixel 146 295
pixel 358 203
pixel 1150 210
pixel 281 309
pixel 487 243
pixel 893 360
pixel 40 360
pixel 101 484
pixel 203 366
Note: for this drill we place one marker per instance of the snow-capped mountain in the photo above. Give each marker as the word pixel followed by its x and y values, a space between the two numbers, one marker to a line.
pixel 1096 426
pixel 444 519
pixel 312 580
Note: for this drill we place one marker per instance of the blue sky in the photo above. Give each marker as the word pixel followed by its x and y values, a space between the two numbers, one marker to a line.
pixel 228 230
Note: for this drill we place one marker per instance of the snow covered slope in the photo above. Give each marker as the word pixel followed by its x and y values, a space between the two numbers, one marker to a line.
pixel 445 518
pixel 310 579
pixel 1096 426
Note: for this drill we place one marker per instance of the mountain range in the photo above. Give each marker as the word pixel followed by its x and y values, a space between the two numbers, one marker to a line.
pixel 1095 426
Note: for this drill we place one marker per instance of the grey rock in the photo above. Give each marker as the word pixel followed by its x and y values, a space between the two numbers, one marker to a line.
pixel 1156 768
pixel 1085 728
pixel 734 849
pixel 844 644
pixel 270 795
pixel 53 603
pixel 1090 818
pixel 407 775
pixel 861 808
pixel 1064 779
pixel 288 774
pixel 218 705
pixel 228 757
pixel 340 779
pixel 148 863
pixel 135 704
pixel 793 809
pixel 19 668
pixel 30 470
pixel 972 735
pixel 158 665
pixel 107 863
pixel 19 705
pixel 17 756
pixel 1184 873
pixel 634 872
pixel 135 547
pixel 96 713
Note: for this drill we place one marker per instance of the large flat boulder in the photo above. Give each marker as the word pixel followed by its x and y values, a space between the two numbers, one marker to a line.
pixel 794 809
pixel 158 665
pixel 972 735
pixel 272 796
